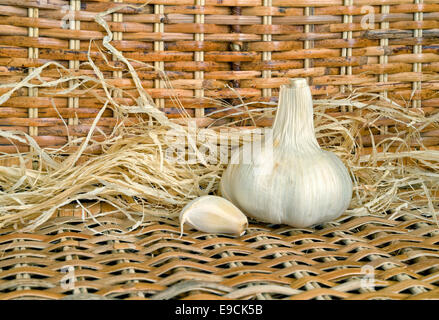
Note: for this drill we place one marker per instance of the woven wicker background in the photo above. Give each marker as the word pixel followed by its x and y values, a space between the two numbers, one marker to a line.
pixel 351 258
pixel 221 49
pixel 218 49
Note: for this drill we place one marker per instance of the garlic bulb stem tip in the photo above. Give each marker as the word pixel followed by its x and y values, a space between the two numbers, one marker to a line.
pixel 298 83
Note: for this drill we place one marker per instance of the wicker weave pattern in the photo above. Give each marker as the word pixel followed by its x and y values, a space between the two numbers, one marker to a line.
pixel 330 262
pixel 215 49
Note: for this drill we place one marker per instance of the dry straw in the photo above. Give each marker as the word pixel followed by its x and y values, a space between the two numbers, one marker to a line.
pixel 133 175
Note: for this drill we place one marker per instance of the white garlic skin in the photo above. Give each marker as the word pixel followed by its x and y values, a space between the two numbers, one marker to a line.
pixel 212 214
pixel 300 184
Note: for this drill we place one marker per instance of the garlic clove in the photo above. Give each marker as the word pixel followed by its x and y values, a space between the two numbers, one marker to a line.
pixel 212 214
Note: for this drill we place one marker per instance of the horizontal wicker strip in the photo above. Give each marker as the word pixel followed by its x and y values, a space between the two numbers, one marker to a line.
pixel 215 49
pixel 351 258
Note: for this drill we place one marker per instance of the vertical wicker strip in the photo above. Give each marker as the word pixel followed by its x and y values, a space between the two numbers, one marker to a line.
pixel 199 57
pixel 21 276
pixel 236 46
pixel 417 66
pixel 69 258
pixel 308 43
pixel 117 74
pixel 33 54
pixel 74 44
pixel 266 55
pixel 347 52
pixel 33 131
pixel 159 27
pixel 383 60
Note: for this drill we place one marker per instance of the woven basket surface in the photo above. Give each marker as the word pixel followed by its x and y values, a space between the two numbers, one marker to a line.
pixel 351 258
pixel 214 49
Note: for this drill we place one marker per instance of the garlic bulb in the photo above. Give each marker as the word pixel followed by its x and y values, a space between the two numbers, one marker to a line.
pixel 214 214
pixel 292 180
